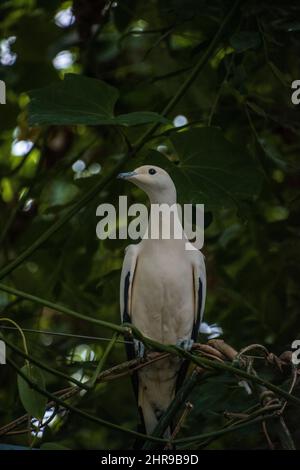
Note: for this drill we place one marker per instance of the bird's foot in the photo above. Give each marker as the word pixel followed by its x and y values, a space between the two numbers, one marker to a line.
pixel 186 344
pixel 139 348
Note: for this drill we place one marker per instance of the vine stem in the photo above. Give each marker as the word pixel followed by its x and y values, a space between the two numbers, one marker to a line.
pixel 209 363
pixel 60 222
pixel 103 360
pixel 9 320
pixel 219 93
pixel 62 309
pixel 129 329
pixel 79 412
pixel 200 437
pixel 30 359
pixel 266 410
pixel 108 374
pixel 191 78
pixel 92 418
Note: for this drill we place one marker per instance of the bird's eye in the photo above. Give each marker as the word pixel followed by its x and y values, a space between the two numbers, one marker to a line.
pixel 152 171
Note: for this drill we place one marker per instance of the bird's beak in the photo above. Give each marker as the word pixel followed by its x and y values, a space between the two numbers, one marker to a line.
pixel 126 176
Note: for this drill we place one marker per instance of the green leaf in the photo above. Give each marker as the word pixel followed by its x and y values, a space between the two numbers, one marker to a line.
pixel 276 213
pixel 33 402
pixel 75 100
pixel 82 100
pixel 279 74
pixel 257 109
pixel 140 117
pixel 245 40
pixel 211 170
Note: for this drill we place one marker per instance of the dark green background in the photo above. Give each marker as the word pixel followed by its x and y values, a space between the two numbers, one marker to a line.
pixel 239 156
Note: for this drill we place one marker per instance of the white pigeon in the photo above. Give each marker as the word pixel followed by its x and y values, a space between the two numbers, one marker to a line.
pixel 162 293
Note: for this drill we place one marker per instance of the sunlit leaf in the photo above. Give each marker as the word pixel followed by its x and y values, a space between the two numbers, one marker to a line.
pixel 33 402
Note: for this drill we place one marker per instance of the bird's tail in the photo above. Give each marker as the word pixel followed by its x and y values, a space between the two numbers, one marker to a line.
pixel 156 390
pixel 151 414
pixel 149 417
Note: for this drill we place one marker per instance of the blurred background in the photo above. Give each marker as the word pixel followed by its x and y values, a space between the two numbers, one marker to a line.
pixel 242 121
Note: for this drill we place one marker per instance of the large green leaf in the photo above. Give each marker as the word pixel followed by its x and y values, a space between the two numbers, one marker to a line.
pixel 33 402
pixel 139 117
pixel 81 100
pixel 211 170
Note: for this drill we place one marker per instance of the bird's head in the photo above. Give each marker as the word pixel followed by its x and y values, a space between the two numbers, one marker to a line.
pixel 155 181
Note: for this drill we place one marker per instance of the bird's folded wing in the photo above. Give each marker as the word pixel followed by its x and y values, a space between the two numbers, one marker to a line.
pixel 199 290
pixel 127 277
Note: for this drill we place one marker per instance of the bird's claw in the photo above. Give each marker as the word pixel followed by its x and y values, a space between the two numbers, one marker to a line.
pixel 186 344
pixel 139 348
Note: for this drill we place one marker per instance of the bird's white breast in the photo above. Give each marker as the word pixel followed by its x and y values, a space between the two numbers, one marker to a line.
pixel 163 295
